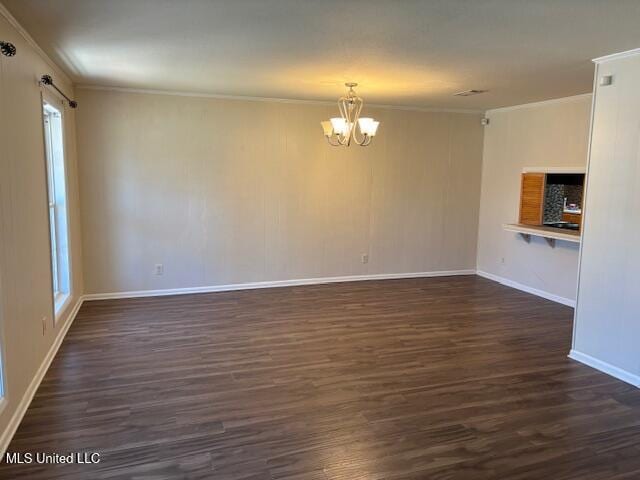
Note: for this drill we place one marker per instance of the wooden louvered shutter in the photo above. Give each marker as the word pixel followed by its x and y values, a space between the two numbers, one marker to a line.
pixel 532 198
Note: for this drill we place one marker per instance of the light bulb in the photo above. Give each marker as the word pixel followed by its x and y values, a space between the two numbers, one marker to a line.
pixel 368 126
pixel 327 127
pixel 365 125
pixel 339 125
pixel 373 128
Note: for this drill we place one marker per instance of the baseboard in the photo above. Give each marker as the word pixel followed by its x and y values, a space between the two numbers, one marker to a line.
pixel 273 284
pixel 605 367
pixel 14 422
pixel 534 291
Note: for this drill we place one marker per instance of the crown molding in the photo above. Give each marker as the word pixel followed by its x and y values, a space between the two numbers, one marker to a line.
pixel 178 93
pixel 33 44
pixel 542 103
pixel 616 56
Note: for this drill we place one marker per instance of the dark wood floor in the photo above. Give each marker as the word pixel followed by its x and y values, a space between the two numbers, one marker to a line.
pixel 444 378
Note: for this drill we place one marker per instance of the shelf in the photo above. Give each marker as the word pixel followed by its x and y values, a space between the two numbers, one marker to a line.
pixel 550 234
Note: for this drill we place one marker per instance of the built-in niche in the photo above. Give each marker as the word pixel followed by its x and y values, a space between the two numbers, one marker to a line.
pixel 552 200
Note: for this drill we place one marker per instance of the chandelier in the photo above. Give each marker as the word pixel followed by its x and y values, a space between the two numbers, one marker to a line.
pixel 342 130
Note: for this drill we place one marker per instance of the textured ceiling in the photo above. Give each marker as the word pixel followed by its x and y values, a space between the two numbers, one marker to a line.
pixel 402 52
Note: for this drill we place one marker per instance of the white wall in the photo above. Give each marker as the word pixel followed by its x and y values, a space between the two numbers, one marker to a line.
pixel 607 322
pixel 228 191
pixel 548 134
pixel 25 275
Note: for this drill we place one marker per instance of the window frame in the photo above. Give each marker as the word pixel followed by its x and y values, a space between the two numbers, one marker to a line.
pixel 3 379
pixel 3 386
pixel 60 300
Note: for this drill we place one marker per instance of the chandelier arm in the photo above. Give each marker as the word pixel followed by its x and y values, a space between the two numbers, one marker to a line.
pixel 341 101
pixel 345 139
pixel 360 103
pixel 355 126
pixel 342 107
pixel 357 102
pixel 366 141
pixel 331 143
pixel 360 142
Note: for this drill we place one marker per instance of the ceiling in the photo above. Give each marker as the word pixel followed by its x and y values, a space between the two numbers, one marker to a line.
pixel 410 52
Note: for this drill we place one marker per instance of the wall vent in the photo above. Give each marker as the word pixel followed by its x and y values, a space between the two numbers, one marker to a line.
pixel 468 93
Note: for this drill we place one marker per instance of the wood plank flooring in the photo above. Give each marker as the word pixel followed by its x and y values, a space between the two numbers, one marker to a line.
pixel 442 378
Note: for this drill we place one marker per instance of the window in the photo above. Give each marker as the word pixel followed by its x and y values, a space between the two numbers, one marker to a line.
pixel 57 196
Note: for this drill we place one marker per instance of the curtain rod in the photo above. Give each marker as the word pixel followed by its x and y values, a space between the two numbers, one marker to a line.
pixel 47 80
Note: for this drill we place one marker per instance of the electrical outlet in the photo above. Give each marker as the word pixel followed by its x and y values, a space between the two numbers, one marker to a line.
pixel 44 325
pixel 159 269
pixel 364 258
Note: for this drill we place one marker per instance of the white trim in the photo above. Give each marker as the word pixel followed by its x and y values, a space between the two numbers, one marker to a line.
pixel 326 103
pixel 585 201
pixel 552 101
pixel 23 405
pixel 616 56
pixel 60 305
pixel 272 284
pixel 555 170
pixel 29 39
pixel 534 291
pixel 605 367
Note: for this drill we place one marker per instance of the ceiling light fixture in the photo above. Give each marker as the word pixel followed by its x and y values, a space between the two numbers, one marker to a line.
pixel 340 131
